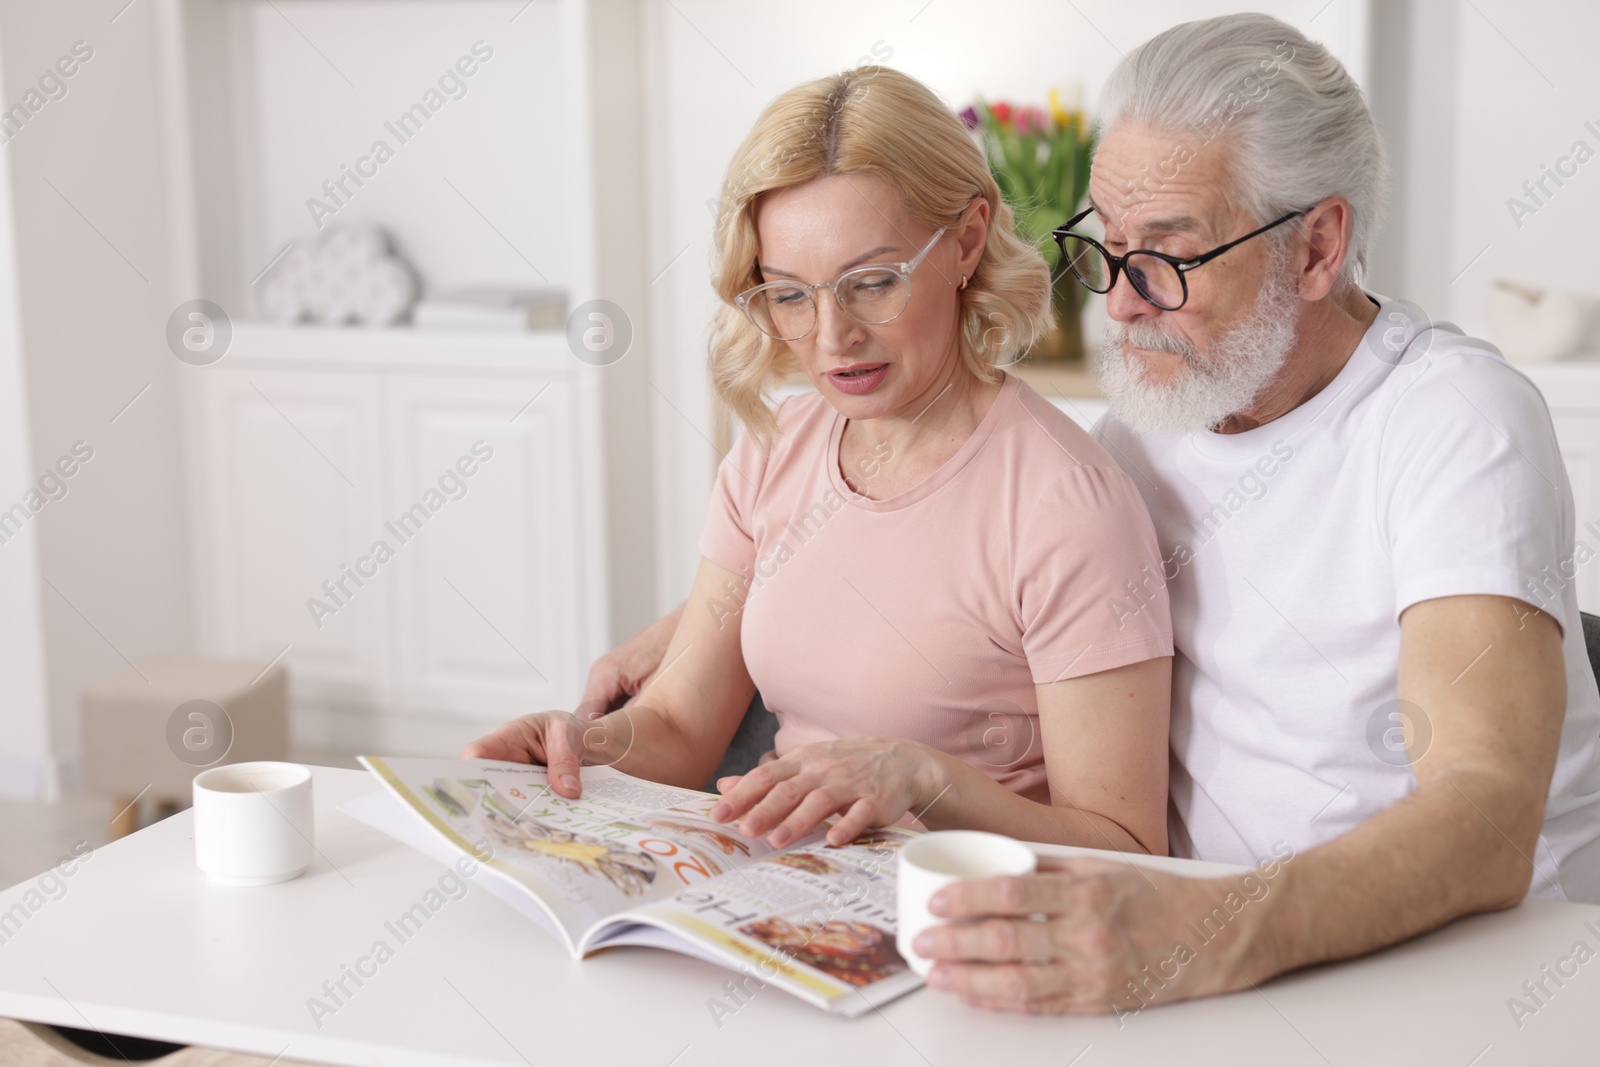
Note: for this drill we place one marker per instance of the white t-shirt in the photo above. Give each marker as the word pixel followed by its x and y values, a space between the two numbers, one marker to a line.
pixel 1424 470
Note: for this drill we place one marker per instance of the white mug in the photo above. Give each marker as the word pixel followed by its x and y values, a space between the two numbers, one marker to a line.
pixel 253 823
pixel 933 861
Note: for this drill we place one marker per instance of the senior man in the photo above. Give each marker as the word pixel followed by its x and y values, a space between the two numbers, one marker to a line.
pixel 1382 703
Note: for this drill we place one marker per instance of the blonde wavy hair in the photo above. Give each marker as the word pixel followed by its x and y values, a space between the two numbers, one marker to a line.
pixel 868 120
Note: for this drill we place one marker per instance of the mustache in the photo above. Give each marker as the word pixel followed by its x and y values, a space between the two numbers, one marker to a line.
pixel 1149 336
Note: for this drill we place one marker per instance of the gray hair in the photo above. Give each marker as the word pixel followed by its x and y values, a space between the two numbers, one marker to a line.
pixel 1297 120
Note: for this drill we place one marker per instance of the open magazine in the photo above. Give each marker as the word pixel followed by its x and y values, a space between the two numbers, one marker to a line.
pixel 632 862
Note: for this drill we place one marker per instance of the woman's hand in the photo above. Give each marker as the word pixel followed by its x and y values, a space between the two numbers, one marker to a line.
pixel 554 738
pixel 871 781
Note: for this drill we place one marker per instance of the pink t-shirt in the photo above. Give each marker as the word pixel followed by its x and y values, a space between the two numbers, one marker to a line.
pixel 1027 558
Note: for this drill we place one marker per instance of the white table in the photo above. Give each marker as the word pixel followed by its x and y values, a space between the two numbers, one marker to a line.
pixel 141 944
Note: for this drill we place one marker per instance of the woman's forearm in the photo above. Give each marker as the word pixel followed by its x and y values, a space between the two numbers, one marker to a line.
pixel 959 796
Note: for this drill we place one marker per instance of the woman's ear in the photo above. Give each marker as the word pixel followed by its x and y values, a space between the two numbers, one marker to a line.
pixel 972 236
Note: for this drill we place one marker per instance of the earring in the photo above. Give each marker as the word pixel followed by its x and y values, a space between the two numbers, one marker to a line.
pixel 963 284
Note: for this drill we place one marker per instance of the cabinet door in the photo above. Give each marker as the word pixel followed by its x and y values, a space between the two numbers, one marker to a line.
pixel 1085 411
pixel 490 583
pixel 292 483
pixel 1579 437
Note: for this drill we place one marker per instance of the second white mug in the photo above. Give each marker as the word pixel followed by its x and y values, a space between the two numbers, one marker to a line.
pixel 934 861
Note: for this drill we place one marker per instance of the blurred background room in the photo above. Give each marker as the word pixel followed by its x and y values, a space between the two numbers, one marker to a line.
pixel 352 387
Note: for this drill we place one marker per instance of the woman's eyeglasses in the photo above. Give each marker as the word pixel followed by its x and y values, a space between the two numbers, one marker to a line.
pixel 1156 276
pixel 871 295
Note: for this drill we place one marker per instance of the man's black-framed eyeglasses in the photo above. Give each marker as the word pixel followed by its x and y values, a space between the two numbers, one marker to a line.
pixel 1156 276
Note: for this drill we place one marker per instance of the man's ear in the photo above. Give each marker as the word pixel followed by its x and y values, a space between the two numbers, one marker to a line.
pixel 1325 231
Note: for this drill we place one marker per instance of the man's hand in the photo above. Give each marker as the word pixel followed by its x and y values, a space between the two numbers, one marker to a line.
pixel 1485 673
pixel 562 742
pixel 1098 936
pixel 678 720
pixel 621 673
pixel 553 738
pixel 870 781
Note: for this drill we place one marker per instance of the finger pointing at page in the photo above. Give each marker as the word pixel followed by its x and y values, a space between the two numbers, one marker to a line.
pixel 564 754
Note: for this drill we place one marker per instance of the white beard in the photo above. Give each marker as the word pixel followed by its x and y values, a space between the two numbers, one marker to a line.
pixel 1240 365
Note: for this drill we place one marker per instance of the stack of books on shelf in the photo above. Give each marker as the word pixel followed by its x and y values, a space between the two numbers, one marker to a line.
pixel 499 308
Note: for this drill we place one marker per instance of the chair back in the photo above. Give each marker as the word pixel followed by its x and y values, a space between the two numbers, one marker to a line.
pixel 1591 640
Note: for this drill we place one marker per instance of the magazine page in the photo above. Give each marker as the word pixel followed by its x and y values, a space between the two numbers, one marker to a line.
pixel 624 843
pixel 816 921
pixel 386 813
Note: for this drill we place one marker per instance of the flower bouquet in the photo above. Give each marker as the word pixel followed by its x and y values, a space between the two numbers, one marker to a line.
pixel 1040 160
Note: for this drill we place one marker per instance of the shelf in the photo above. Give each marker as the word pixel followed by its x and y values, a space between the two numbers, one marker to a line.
pixel 259 343
pixel 1569 385
pixel 1584 366
pixel 1070 379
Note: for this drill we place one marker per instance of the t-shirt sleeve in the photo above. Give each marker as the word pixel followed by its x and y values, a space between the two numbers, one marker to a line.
pixel 1090 590
pixel 728 539
pixel 1474 498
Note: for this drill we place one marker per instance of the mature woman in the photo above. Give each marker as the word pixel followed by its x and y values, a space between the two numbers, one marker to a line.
pixel 945 590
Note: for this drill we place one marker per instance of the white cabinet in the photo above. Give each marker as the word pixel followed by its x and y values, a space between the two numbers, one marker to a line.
pixel 487 599
pixel 292 474
pixel 414 531
pixel 1579 435
pixel 1573 392
pixel 1085 411
pixel 1071 387
pixel 1578 432
pixel 308 445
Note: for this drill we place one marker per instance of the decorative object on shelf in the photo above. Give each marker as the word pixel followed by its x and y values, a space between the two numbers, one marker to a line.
pixel 1040 160
pixel 1533 326
pixel 351 275
pixel 492 307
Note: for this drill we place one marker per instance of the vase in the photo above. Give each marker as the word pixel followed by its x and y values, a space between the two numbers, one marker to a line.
pixel 1063 341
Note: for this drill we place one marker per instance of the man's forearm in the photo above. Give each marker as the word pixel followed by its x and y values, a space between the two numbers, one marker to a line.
pixel 1432 857
pixel 616 678
pixel 654 639
pixel 1463 841
pixel 664 627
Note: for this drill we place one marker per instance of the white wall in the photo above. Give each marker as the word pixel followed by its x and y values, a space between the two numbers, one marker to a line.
pixel 27 760
pixel 717 63
pixel 1413 52
pixel 88 191
pixel 475 196
pixel 1526 84
pixel 1461 93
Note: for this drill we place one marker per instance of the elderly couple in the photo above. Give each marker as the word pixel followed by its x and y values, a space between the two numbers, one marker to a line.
pixel 1274 613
